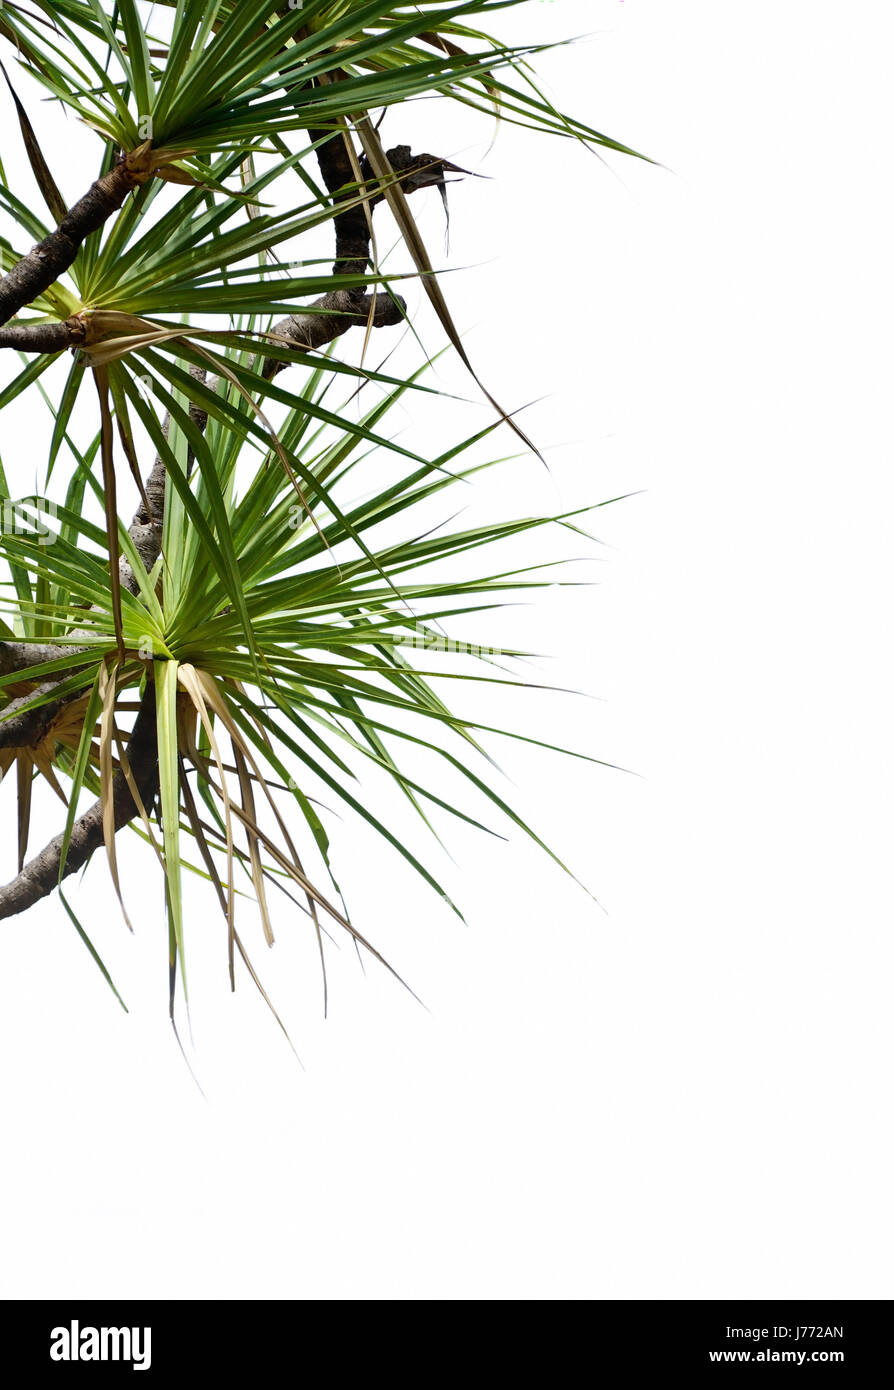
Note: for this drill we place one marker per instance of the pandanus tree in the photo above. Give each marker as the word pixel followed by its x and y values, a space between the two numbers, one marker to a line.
pixel 273 613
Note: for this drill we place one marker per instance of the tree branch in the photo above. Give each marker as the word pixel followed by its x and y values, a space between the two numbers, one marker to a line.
pixel 30 727
pixel 42 337
pixel 41 875
pixel 18 656
pixel 333 314
pixel 51 257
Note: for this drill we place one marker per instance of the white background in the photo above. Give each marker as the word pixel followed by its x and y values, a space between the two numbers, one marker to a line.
pixel 688 1094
